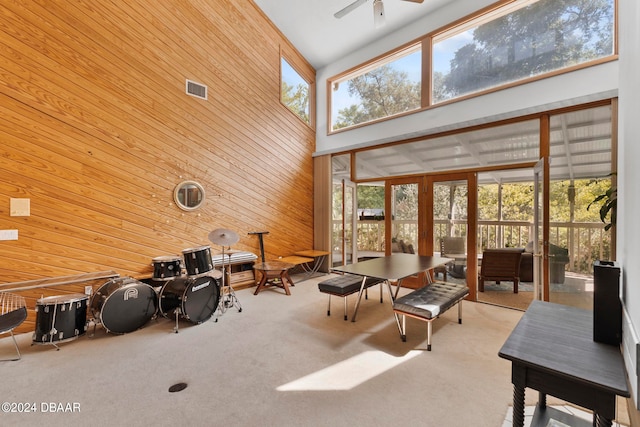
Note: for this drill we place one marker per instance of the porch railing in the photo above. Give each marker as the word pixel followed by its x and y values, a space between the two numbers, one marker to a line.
pixel 586 241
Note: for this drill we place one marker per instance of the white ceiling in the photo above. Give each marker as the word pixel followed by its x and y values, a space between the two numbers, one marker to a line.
pixel 321 38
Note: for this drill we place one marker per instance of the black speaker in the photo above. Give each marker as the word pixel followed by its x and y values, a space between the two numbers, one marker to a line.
pixel 607 307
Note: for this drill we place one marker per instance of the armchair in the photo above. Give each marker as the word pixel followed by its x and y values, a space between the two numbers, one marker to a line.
pixel 500 264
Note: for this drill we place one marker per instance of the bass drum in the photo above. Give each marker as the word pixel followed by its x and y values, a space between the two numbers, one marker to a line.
pixel 192 298
pixel 123 305
pixel 60 318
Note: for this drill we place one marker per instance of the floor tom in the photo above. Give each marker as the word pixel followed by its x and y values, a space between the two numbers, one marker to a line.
pixel 60 318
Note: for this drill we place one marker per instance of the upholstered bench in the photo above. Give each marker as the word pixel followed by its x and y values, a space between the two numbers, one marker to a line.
pixel 345 285
pixel 428 303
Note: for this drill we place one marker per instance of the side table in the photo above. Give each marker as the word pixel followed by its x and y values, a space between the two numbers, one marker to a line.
pixel 552 350
pixel 318 260
pixel 274 273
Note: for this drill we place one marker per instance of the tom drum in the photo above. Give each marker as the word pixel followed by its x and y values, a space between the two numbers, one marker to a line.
pixel 197 260
pixel 166 267
pixel 123 305
pixel 192 298
pixel 60 318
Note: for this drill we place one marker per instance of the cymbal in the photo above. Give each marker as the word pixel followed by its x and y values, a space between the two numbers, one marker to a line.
pixel 224 237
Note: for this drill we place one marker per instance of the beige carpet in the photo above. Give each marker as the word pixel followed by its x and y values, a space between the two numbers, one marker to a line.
pixel 279 362
pixel 519 301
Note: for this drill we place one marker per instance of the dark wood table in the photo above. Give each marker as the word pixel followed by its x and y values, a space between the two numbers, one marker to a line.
pixel 274 273
pixel 552 350
pixel 392 268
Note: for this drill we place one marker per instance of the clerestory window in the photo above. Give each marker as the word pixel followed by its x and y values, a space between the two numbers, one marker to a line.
pixel 295 92
pixel 512 43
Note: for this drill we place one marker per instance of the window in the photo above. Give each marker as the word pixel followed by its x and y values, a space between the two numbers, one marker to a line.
pixel 515 41
pixel 384 88
pixel 295 92
pixel 520 40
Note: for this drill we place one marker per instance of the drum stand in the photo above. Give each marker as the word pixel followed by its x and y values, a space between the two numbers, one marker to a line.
pixel 228 297
pixel 53 330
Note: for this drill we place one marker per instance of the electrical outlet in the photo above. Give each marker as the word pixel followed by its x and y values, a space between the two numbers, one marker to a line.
pixel 88 290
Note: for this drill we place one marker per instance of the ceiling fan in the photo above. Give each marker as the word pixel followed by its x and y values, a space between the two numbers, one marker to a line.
pixel 378 10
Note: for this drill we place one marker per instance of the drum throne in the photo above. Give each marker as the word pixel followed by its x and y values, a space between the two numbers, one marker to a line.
pixel 13 312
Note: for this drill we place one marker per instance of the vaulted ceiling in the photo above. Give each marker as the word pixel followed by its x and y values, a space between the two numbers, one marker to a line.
pixel 322 38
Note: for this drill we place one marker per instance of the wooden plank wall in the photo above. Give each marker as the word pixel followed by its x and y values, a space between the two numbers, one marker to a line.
pixel 96 130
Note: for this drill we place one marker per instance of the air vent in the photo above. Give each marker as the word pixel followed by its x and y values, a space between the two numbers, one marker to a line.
pixel 196 89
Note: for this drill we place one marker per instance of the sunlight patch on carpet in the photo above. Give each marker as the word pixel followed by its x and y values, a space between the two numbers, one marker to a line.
pixel 349 373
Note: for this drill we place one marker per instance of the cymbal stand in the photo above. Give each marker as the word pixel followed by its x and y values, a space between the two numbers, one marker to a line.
pixel 177 312
pixel 228 297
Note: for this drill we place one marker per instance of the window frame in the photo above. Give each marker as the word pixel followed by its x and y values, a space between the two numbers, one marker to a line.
pixel 492 11
pixel 373 64
pixel 307 77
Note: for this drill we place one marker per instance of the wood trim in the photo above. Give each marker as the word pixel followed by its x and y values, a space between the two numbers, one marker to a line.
pixel 322 207
pixel 614 168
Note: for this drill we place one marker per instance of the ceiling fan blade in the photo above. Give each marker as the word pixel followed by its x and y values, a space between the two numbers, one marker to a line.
pixel 415 1
pixel 351 7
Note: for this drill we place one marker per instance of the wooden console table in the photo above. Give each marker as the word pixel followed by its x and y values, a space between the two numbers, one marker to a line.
pixel 552 351
pixel 239 268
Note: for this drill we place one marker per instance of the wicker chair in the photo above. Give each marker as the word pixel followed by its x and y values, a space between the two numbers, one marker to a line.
pixel 13 312
pixel 500 264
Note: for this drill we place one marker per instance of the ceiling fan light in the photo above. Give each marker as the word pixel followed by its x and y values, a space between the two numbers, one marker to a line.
pixel 378 13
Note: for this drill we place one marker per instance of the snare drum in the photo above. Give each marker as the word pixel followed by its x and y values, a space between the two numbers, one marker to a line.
pixel 192 298
pixel 60 318
pixel 123 305
pixel 166 267
pixel 197 260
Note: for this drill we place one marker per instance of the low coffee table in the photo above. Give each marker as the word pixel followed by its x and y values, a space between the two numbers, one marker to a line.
pixel 274 273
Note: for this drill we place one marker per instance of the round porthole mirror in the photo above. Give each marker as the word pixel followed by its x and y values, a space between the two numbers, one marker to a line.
pixel 188 195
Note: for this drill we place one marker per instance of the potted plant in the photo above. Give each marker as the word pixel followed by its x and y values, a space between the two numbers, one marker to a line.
pixel 608 202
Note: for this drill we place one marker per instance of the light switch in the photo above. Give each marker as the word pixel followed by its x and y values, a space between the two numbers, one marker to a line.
pixel 8 234
pixel 20 207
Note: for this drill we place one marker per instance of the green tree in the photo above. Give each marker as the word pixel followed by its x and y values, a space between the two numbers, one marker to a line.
pixel 382 92
pixel 296 98
pixel 370 196
pixel 544 36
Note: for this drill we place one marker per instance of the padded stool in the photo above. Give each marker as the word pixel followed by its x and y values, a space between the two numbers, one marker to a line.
pixel 345 285
pixel 428 303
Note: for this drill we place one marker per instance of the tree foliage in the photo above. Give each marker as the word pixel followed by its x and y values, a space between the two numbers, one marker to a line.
pixel 296 98
pixel 370 197
pixel 382 92
pixel 542 37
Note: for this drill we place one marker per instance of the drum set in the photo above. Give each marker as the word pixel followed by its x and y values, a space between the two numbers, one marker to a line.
pixel 124 304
